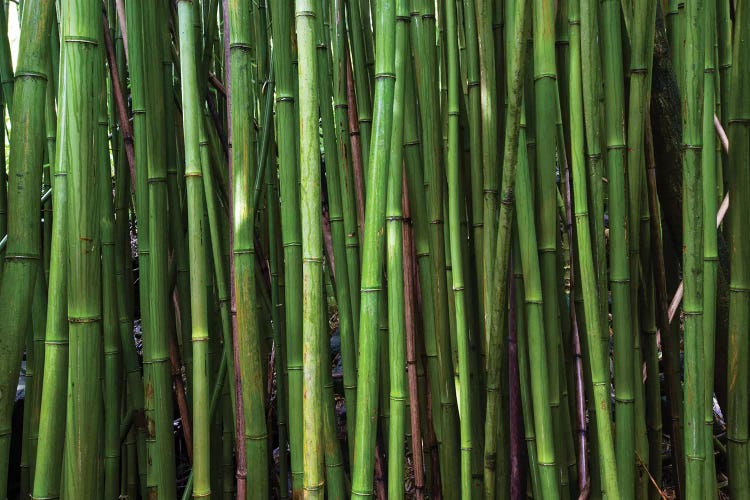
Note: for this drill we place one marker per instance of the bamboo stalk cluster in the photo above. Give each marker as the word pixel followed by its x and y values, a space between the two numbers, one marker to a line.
pixel 392 249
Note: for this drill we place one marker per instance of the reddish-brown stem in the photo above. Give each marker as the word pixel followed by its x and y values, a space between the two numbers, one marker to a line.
pixel 122 112
pixel 351 112
pixel 411 355
pixel 580 396
pixel 379 475
pixel 179 391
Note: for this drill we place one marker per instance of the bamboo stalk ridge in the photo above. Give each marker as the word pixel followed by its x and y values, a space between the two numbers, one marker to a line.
pixel 374 249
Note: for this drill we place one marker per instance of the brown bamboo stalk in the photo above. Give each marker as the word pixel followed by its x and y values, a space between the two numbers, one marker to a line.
pixel 122 112
pixel 179 392
pixel 411 357
pixel 351 111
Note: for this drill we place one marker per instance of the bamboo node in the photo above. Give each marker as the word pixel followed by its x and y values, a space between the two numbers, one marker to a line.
pixel 542 76
pixel 84 319
pixel 21 257
pixel 81 39
pixel 245 47
pixel 31 74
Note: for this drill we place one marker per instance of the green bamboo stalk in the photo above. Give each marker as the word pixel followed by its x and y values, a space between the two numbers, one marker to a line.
pixel 395 258
pixel 334 461
pixel 739 284
pixel 348 203
pixel 6 64
pixel 156 374
pixel 538 357
pixel 34 377
pixel 81 67
pixel 692 221
pixel 592 96
pixel 277 315
pixel 290 225
pixel 642 42
pixel 372 258
pixel 471 78
pixel 523 366
pixel 359 31
pixel 111 339
pixel 415 183
pixel 244 168
pixel 192 125
pixel 710 246
pixel 619 275
pixel 545 75
pixel 176 224
pixel 312 249
pixel 587 275
pixel 454 209
pixel 24 242
pixel 52 422
pixel 724 37
pixel 520 25
pixel 333 170
pixel 427 77
pixel 489 141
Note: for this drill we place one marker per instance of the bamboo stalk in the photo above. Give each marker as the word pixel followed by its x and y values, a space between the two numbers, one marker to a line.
pixel 739 138
pixel 192 125
pixel 24 242
pixel 692 218
pixel 372 258
pixel 312 249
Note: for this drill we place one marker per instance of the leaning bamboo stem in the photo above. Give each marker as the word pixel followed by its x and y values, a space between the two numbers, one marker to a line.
pixel 372 257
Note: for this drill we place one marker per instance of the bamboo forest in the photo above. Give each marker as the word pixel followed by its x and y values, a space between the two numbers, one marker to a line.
pixel 388 249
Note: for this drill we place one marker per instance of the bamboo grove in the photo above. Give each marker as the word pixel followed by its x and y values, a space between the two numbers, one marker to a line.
pixel 375 248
